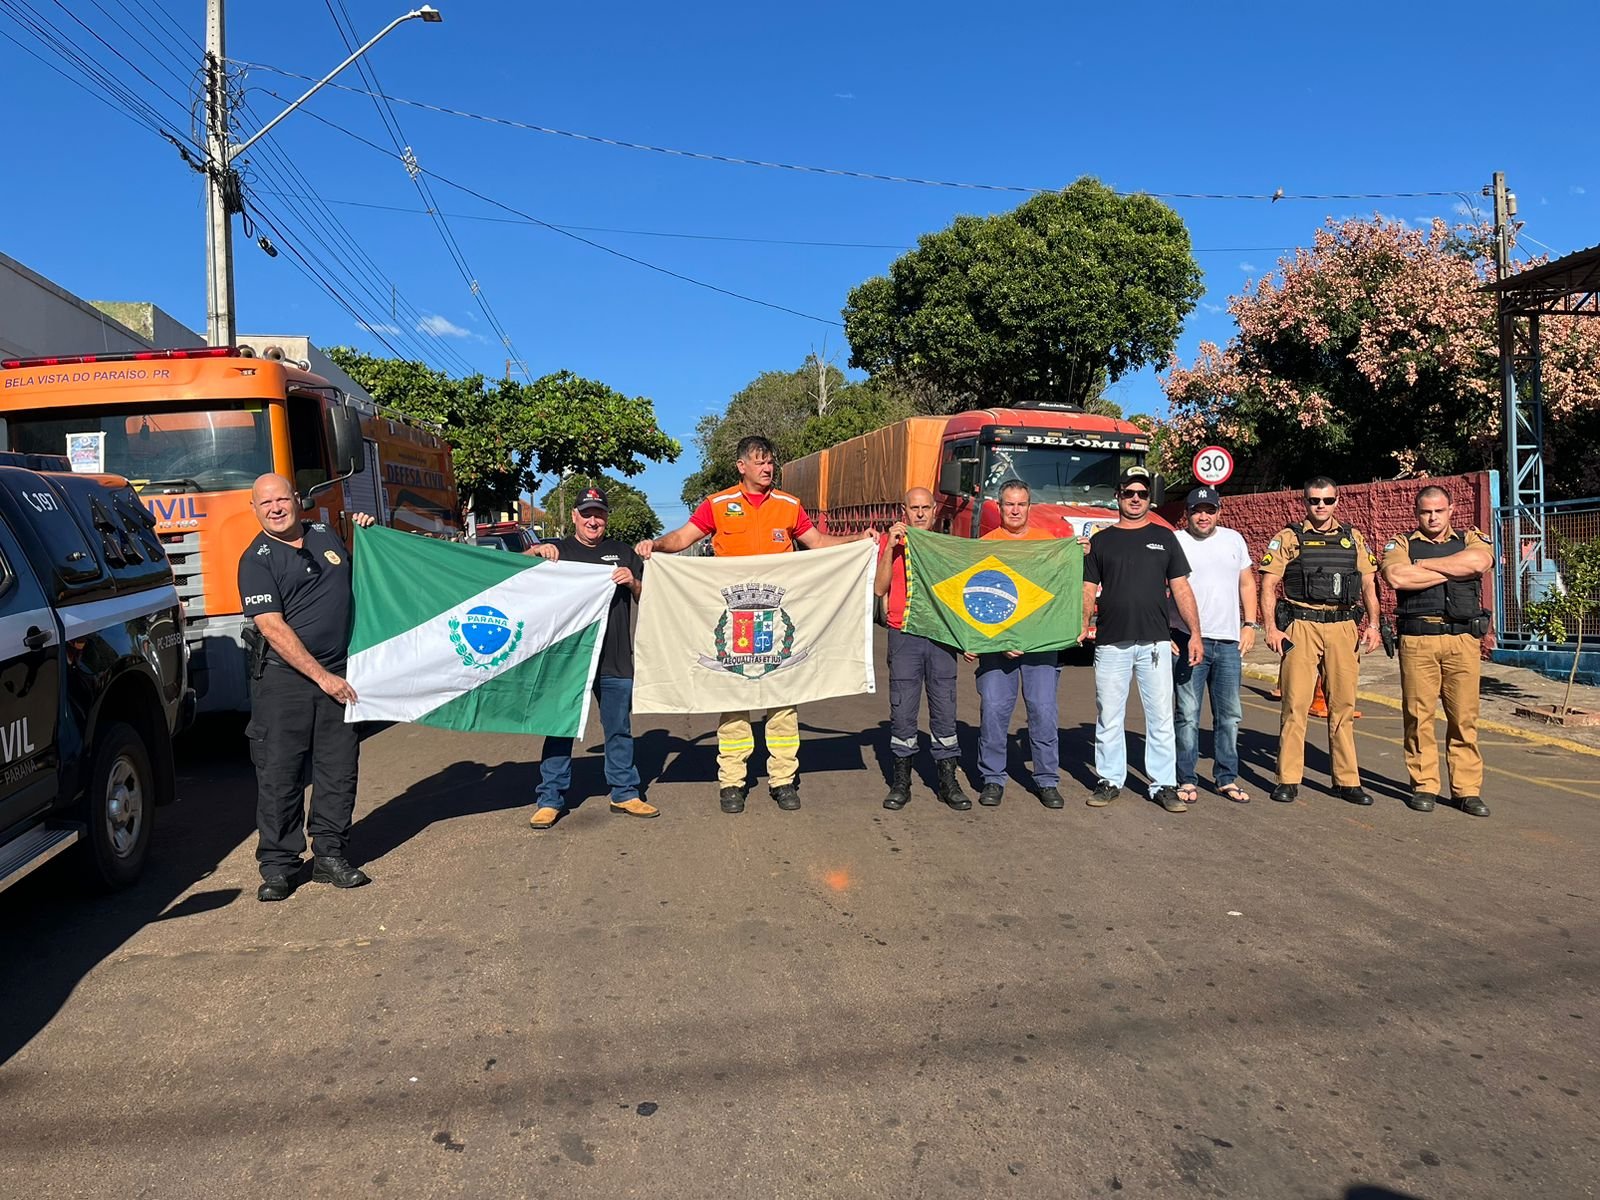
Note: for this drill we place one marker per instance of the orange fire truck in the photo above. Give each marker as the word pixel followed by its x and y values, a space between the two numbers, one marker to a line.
pixel 192 429
pixel 1069 459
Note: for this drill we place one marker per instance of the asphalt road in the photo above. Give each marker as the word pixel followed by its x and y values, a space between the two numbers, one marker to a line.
pixel 1269 1001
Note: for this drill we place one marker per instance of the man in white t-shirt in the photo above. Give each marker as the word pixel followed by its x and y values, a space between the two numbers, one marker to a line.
pixel 1224 586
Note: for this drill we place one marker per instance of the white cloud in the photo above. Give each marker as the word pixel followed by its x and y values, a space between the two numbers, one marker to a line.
pixel 441 327
pixel 1578 190
pixel 1212 308
pixel 378 327
pixel 844 95
pixel 1463 209
pixel 1247 266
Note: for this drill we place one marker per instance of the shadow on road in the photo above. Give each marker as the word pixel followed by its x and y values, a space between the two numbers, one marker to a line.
pixel 57 931
pixel 462 789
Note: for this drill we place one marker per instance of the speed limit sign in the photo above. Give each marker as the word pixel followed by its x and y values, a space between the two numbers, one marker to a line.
pixel 1213 465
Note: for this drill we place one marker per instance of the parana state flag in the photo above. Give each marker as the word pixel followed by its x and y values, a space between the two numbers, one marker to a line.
pixel 464 637
pixel 985 596
pixel 758 631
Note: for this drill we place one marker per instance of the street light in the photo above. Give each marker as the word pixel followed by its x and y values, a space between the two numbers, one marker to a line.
pixel 222 188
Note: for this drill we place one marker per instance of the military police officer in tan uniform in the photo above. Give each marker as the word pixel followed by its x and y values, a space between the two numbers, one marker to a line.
pixel 1327 576
pixel 1436 573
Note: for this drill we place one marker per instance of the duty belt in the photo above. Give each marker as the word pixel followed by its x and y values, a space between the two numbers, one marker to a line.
pixel 1430 626
pixel 1320 616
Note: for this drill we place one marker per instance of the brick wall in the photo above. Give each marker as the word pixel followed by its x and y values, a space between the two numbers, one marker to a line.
pixel 1379 510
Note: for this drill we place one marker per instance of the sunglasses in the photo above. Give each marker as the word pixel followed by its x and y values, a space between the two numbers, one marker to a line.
pixel 1135 493
pixel 1328 501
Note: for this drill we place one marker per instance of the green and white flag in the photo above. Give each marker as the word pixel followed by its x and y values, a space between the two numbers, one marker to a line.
pixel 464 637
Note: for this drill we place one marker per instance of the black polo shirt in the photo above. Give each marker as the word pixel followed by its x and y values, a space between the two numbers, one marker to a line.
pixel 308 585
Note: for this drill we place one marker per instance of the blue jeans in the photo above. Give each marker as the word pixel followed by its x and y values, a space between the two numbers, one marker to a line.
pixel 1219 674
pixel 615 694
pixel 998 679
pixel 1115 665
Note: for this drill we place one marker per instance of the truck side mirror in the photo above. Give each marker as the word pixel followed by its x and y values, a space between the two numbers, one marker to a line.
pixel 957 476
pixel 344 440
pixel 1158 491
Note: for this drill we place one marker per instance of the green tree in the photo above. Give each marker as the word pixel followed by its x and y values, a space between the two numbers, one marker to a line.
pixel 506 434
pixel 1053 300
pixel 631 520
pixel 783 407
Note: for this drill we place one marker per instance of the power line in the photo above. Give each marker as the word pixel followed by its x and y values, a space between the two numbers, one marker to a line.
pixel 408 158
pixel 841 172
pixel 136 68
pixel 370 277
pixel 712 237
pixel 567 233
pixel 310 272
pixel 46 34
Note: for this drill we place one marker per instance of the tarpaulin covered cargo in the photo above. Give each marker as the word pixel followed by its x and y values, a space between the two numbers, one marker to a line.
pixel 881 466
pixel 807 478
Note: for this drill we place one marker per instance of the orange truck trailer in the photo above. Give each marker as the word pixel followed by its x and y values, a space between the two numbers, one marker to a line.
pixel 1070 460
pixel 192 429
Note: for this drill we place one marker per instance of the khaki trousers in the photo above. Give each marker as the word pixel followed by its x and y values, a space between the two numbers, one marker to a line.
pixel 1332 646
pixel 736 740
pixel 1435 666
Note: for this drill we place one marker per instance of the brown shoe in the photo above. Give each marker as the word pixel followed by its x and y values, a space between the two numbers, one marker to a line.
pixel 543 817
pixel 634 807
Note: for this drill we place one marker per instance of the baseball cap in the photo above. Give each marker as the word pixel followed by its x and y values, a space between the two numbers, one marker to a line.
pixel 592 498
pixel 1204 495
pixel 1133 474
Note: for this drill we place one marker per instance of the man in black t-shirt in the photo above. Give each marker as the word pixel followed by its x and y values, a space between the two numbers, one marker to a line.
pixel 294 580
pixel 613 683
pixel 1127 573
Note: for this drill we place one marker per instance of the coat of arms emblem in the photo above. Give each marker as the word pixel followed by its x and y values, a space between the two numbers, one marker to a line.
pixel 754 636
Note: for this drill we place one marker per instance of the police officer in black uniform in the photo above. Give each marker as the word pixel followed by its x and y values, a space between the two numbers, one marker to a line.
pixel 294 580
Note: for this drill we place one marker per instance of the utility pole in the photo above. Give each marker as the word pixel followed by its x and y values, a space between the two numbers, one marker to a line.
pixel 223 194
pixel 220 185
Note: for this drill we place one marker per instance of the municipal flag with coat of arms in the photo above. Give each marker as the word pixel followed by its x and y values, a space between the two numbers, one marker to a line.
pixel 727 634
pixel 471 638
pixel 990 595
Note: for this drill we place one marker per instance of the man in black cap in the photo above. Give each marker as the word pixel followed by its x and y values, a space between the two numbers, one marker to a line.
pixel 1224 582
pixel 613 684
pixel 1129 571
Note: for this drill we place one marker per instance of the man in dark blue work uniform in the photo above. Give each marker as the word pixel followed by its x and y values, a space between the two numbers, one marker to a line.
pixel 294 580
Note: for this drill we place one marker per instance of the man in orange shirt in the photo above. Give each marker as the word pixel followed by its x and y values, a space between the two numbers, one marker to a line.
pixel 1000 675
pixel 752 518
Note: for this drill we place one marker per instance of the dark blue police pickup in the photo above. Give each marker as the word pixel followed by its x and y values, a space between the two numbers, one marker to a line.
pixel 93 681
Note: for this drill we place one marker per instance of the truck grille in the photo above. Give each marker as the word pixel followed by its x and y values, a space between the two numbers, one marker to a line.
pixel 183 551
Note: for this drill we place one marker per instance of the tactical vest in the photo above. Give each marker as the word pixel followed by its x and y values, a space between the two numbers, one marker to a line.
pixel 1457 599
pixel 1326 570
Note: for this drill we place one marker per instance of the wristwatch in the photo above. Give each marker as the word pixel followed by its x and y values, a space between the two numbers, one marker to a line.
pixel 1256 625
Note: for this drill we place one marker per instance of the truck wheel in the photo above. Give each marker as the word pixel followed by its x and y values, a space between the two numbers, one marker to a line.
pixel 120 807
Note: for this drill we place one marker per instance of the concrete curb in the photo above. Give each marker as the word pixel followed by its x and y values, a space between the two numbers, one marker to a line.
pixel 1528 735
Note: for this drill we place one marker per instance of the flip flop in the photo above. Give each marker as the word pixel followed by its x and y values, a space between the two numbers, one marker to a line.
pixel 1235 793
pixel 1189 793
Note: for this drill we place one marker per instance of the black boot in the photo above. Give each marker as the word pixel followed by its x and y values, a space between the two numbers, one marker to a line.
pixel 950 786
pixel 899 784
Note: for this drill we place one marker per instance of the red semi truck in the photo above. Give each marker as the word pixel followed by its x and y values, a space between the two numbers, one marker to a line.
pixel 1070 460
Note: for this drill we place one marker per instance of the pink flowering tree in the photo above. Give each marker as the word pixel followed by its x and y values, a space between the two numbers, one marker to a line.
pixel 1373 355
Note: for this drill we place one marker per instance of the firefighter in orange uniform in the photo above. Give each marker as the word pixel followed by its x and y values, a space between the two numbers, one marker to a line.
pixel 752 518
pixel 1327 575
pixel 1436 574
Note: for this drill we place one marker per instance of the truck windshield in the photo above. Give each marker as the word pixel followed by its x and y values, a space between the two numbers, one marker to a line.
pixel 1059 474
pixel 179 447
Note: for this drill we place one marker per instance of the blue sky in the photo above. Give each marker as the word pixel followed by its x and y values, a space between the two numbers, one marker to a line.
pixel 1180 97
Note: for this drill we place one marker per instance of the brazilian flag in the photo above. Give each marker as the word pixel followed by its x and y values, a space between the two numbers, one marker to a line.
pixel 987 596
